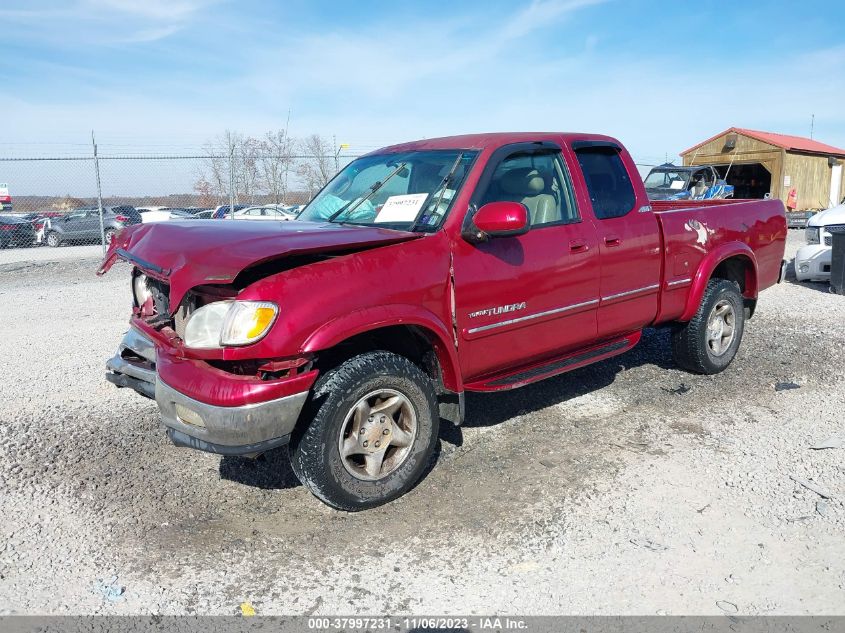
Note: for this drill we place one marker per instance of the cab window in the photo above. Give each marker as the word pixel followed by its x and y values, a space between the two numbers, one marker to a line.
pixel 540 182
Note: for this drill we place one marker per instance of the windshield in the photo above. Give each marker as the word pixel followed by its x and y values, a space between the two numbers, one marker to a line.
pixel 667 179
pixel 407 190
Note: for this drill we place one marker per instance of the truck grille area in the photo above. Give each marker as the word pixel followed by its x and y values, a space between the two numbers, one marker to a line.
pixel 160 291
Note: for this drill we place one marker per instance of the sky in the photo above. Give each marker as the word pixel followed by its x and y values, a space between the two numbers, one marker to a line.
pixel 165 76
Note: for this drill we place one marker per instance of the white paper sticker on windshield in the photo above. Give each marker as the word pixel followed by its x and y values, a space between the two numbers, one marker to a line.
pixel 401 208
pixel 676 184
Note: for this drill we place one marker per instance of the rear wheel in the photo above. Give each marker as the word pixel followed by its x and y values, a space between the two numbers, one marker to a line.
pixel 109 235
pixel 373 429
pixel 53 239
pixel 709 342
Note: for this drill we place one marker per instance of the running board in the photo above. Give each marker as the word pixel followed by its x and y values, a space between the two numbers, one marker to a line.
pixel 562 364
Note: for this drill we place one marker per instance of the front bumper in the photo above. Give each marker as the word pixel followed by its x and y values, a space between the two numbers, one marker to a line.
pixel 245 429
pixel 812 262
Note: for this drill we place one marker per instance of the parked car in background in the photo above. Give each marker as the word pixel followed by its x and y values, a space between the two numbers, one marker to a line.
pixel 163 214
pixel 812 262
pixel 670 182
pixel 16 231
pixel 83 225
pixel 206 214
pixel 223 211
pixel 267 212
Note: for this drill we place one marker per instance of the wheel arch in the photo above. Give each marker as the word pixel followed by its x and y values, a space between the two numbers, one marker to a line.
pixel 406 330
pixel 735 262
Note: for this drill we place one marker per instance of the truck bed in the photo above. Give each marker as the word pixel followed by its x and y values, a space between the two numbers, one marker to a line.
pixel 696 233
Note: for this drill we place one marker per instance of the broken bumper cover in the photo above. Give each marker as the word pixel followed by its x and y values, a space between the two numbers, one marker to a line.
pixel 250 428
pixel 245 415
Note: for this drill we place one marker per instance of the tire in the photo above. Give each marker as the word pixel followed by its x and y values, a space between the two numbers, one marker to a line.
pixel 704 350
pixel 109 235
pixel 53 239
pixel 343 482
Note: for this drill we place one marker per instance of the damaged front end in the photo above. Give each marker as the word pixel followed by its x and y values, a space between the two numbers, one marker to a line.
pixel 227 407
pixel 218 388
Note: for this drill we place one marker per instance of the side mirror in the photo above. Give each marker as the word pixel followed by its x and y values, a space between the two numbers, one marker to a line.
pixel 499 219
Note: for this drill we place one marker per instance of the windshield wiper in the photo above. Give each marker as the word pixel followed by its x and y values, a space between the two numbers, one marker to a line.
pixel 447 180
pixel 376 186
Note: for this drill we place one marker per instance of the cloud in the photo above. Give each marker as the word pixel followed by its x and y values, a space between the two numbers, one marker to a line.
pixel 157 10
pixel 540 14
pixel 105 21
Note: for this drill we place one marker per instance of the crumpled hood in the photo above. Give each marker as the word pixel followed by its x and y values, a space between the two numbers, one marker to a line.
pixel 196 252
pixel 833 215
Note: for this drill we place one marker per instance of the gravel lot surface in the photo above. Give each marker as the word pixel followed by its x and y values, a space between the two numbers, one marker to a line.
pixel 47 254
pixel 629 487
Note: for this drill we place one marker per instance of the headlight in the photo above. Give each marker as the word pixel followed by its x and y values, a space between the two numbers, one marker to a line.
pixel 812 235
pixel 228 323
pixel 140 289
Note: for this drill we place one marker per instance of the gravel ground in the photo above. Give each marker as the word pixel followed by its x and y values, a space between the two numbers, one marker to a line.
pixel 47 254
pixel 628 487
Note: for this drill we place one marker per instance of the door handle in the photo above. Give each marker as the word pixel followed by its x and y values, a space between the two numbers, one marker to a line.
pixel 578 246
pixel 612 241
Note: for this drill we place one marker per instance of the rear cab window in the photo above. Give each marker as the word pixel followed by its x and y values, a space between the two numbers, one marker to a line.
pixel 608 183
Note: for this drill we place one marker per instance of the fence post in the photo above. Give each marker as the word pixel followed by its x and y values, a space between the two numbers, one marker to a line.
pixel 231 175
pixel 99 194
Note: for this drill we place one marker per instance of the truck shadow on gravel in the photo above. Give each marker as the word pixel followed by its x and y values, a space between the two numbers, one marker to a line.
pixel 272 470
pixel 490 409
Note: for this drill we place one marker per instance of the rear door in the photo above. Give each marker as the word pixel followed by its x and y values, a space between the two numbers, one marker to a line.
pixel 73 224
pixel 89 226
pixel 628 238
pixel 524 298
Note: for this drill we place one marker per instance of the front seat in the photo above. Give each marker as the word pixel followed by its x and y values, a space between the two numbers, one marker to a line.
pixel 527 185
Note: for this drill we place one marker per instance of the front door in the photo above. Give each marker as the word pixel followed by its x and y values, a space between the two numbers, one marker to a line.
pixel 525 298
pixel 628 237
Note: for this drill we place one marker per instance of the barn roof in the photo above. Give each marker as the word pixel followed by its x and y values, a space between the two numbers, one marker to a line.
pixel 786 141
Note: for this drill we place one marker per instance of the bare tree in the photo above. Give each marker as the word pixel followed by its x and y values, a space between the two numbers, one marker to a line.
pixel 215 171
pixel 205 192
pixel 275 164
pixel 247 153
pixel 317 168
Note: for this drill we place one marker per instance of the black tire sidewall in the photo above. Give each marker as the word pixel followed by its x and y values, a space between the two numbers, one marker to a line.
pixel 335 395
pixel 725 290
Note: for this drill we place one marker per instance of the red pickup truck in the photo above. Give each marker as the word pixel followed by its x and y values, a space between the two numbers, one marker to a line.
pixel 420 272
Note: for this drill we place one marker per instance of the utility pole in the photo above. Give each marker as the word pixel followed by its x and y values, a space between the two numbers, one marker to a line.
pixel 812 124
pixel 337 151
pixel 99 193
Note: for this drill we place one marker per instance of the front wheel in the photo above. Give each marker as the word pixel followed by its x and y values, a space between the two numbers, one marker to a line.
pixel 374 427
pixel 53 239
pixel 709 342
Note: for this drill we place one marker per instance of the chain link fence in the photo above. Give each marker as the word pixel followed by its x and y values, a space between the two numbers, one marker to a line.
pixel 57 201
pixel 86 198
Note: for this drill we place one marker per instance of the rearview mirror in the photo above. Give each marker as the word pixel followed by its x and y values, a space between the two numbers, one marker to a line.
pixel 500 219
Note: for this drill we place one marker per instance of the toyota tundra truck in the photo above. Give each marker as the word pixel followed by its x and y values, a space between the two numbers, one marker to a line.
pixel 423 271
